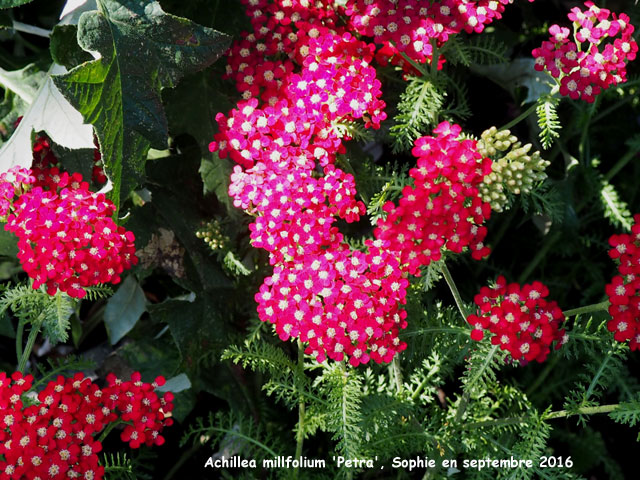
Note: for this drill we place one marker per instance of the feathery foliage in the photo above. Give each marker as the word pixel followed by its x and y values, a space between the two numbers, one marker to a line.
pixel 548 120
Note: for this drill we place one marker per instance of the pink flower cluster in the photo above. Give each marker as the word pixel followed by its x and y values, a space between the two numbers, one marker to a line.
pixel 443 209
pixel 300 77
pixel 410 26
pixel 521 320
pixel 624 289
pixel 67 238
pixel 51 434
pixel 596 56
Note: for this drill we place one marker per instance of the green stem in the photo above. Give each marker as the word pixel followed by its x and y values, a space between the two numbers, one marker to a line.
pixel 464 402
pixel 19 334
pixel 621 163
pixel 454 290
pixel 397 373
pixel 31 340
pixel 549 416
pixel 435 57
pixel 415 64
pixel 543 375
pixel 301 407
pixel 181 461
pixel 107 430
pixel 583 411
pixel 551 240
pixel 520 117
pixel 596 307
pixel 422 331
pixel 585 146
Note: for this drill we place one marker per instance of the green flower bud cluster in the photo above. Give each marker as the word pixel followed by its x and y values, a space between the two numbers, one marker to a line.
pixel 211 233
pixel 513 169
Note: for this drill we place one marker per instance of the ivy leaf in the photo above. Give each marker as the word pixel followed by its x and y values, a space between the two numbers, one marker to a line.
pixel 13 3
pixel 142 50
pixel 124 309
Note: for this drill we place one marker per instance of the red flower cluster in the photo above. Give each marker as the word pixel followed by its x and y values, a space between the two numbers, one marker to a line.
pixel 67 239
pixel 586 70
pixel 624 289
pixel 521 320
pixel 410 26
pixel 51 434
pixel 443 209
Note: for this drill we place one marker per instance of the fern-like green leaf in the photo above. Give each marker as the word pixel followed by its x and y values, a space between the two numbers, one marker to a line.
pixel 615 209
pixel 628 413
pixel 234 434
pixel 548 121
pixel 118 466
pixel 418 109
pixel 486 50
pixel 343 390
pixel 260 357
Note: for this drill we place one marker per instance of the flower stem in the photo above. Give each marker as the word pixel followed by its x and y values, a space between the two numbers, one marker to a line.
pixel 464 402
pixel 454 290
pixel 31 340
pixel 596 307
pixel 107 430
pixel 397 373
pixel 550 416
pixel 520 117
pixel 621 163
pixel 19 334
pixel 550 241
pixel 301 406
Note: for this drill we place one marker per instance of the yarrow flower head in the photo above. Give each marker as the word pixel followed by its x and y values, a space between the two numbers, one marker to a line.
pixel 594 57
pixel 412 27
pixel 443 210
pixel 52 434
pixel 67 239
pixel 521 320
pixel 624 289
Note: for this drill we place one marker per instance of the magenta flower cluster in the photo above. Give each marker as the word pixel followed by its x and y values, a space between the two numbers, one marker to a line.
pixel 591 58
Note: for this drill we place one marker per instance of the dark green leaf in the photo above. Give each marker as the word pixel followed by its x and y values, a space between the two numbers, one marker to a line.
pixel 195 326
pixel 6 327
pixel 151 357
pixel 64 47
pixel 207 91
pixel 8 243
pixel 13 3
pixel 79 160
pixel 5 20
pixel 124 309
pixel 142 50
